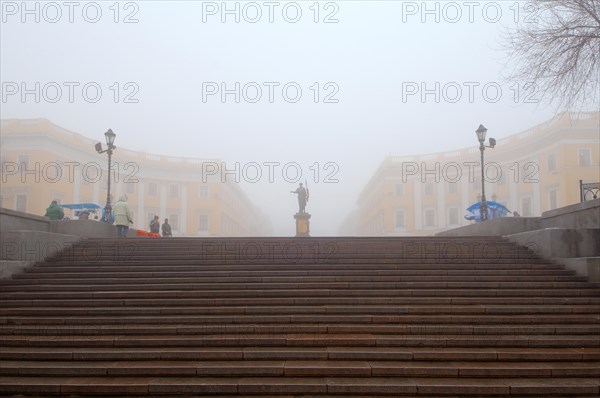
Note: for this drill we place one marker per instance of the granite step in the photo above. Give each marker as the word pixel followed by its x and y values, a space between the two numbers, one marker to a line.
pixel 213 386
pixel 298 368
pixel 436 354
pixel 418 316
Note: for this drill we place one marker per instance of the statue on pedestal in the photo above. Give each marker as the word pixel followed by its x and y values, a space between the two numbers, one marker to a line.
pixel 302 198
pixel 302 217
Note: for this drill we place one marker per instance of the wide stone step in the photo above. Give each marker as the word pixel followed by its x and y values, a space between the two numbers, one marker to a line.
pixel 302 340
pixel 224 296
pixel 300 386
pixel 474 288
pixel 356 262
pixel 437 354
pixel 323 282
pixel 294 368
pixel 298 310
pixel 408 270
pixel 295 329
pixel 315 301
pixel 143 277
pixel 436 319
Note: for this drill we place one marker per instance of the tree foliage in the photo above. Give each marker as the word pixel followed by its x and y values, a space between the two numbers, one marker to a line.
pixel 558 49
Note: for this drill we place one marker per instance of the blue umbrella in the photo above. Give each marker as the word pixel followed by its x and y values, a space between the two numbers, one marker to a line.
pixel 495 210
pixel 490 204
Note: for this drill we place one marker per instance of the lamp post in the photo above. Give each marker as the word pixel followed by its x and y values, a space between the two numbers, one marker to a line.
pixel 481 132
pixel 110 139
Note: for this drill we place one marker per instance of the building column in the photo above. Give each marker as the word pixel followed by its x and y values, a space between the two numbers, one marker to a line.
pixel 537 200
pixel 96 193
pixel 513 202
pixel 441 204
pixel 163 199
pixel 464 198
pixel 418 208
pixel 183 212
pixel 76 187
pixel 140 209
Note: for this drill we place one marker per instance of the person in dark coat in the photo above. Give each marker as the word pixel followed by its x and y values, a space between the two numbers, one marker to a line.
pixel 166 229
pixel 54 211
pixel 155 225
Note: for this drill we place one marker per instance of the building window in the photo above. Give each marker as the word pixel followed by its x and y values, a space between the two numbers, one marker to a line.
pixel 173 191
pixel 429 188
pixel 400 219
pixel 551 162
pixel 526 210
pixel 203 192
pixel 502 177
pixel 152 189
pixel 430 218
pixel 21 202
pixel 150 217
pixel 584 157
pixel 399 189
pixel 452 187
pixel 23 162
pixel 58 197
pixel 174 221
pixel 453 216
pixel 129 188
pixel 203 224
pixel 552 199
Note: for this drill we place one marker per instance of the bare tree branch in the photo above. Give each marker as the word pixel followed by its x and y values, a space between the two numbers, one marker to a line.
pixel 559 52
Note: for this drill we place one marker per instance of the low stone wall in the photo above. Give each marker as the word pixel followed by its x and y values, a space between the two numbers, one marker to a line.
pixel 560 242
pixel 27 238
pixel 84 228
pixel 496 227
pixel 579 215
pixel 11 220
pixel 21 249
pixel 33 246
pixel 569 235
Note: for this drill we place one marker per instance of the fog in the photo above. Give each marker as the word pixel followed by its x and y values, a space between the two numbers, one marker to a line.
pixel 333 87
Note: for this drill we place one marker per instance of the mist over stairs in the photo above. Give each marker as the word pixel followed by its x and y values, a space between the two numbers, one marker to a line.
pixel 437 316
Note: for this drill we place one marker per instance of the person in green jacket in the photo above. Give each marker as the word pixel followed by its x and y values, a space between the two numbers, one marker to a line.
pixel 54 211
pixel 122 216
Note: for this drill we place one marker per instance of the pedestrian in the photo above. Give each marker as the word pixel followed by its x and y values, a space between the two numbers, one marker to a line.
pixel 54 211
pixel 166 229
pixel 155 225
pixel 122 216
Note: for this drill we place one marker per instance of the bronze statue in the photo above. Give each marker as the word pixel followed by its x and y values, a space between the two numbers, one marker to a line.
pixel 302 198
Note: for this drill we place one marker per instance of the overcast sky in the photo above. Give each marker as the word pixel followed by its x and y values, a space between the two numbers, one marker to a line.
pixel 353 84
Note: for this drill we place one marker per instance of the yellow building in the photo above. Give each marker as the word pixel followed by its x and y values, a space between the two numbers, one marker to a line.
pixel 42 162
pixel 529 172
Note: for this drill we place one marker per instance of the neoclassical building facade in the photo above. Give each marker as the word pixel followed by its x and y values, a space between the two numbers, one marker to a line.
pixel 530 172
pixel 42 162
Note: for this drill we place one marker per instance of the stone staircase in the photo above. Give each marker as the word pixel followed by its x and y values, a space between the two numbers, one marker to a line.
pixel 288 317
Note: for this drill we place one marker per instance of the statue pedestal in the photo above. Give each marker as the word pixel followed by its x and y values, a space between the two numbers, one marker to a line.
pixel 302 224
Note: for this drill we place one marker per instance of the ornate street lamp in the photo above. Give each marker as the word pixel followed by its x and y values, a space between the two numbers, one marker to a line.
pixel 110 139
pixel 481 132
